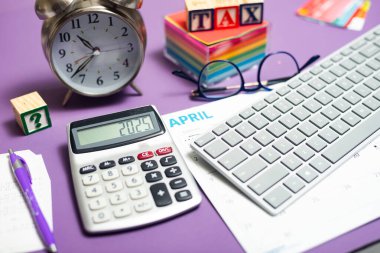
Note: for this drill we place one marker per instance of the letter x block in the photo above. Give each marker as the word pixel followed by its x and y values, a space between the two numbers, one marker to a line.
pixel 251 13
pixel 31 113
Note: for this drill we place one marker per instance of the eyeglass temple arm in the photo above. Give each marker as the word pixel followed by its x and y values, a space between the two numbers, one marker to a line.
pixel 183 75
pixel 309 62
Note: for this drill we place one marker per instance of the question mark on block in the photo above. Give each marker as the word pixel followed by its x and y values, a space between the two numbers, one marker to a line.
pixel 36 117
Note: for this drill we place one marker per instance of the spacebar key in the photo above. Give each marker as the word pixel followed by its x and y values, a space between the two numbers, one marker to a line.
pixel 353 138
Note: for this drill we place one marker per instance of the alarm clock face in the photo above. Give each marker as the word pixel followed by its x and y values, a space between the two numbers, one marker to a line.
pixel 96 53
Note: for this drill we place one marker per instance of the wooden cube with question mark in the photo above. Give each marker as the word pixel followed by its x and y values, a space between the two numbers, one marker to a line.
pixel 31 112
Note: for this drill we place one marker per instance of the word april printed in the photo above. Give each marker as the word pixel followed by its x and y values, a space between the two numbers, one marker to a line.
pixel 191 117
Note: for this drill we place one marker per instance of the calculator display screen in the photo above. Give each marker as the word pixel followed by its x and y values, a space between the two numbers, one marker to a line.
pixel 115 130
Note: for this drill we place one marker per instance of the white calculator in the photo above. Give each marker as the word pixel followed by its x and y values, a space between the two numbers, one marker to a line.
pixel 127 171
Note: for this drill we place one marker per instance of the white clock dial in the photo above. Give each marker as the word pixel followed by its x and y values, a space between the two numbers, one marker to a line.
pixel 96 53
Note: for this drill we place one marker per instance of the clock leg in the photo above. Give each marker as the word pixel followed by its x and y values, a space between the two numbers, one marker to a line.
pixel 67 97
pixel 135 88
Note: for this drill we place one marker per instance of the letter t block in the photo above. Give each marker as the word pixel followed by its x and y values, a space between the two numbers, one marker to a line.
pixel 201 20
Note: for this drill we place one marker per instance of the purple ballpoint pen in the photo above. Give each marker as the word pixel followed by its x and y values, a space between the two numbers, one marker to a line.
pixel 22 174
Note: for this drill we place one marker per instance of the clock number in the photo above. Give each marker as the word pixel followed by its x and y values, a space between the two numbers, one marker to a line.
pixel 69 67
pixel 116 75
pixel 64 37
pixel 99 81
pixel 130 45
pixel 75 23
pixel 62 53
pixel 82 76
pixel 126 63
pixel 110 19
pixel 93 18
pixel 125 31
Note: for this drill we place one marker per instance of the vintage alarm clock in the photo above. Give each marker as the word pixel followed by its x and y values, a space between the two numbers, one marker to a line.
pixel 95 47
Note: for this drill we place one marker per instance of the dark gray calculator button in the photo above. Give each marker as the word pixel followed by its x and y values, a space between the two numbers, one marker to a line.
pixel 168 160
pixel 160 194
pixel 173 171
pixel 183 195
pixel 178 183
pixel 107 165
pixel 126 160
pixel 149 165
pixel 153 176
pixel 87 169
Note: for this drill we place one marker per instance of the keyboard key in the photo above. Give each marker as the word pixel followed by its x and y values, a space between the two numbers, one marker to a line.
pixel 353 138
pixel 289 121
pixel 283 91
pixel 160 194
pixel 138 193
pixel 178 183
pixel 300 113
pixel 122 211
pixel 153 176
pixel 304 152
pixel 294 98
pixel 307 129
pixel 352 97
pixel 320 164
pixel 328 135
pixel 316 143
pixel 295 83
pixel 337 58
pixel 204 139
pixel 216 148
pixel 345 84
pixel 247 113
pixel 133 181
pixel 291 162
pixel 307 173
pixel 317 84
pixel 372 83
pixel 373 64
pixel 118 198
pixel 358 58
pixel 234 121
pixel 351 119
pixel 126 160
pixel 143 206
pixel 338 71
pixel 101 216
pixel 149 165
pixel 364 71
pixel 114 186
pixel 271 113
pixel 283 146
pixel 270 155
pixel 372 103
pixel 331 113
pixel 264 138
pixel 271 98
pixel 323 98
pixel 183 195
pixel 340 127
pixel 358 44
pixel 232 158
pixel 268 178
pixel 276 129
pixel 306 91
pixel 173 171
pixel 316 70
pixel 94 191
pixel 245 129
pixel 232 138
pixel 110 174
pixel 348 64
pixel 294 183
pixel 326 64
pixel 319 121
pixel 87 169
pixel 369 50
pixel 249 169
pixel 258 121
pixel 107 165
pixel 90 179
pixel 295 137
pixel 283 106
pixel 168 160
pixel 355 77
pixel 277 197
pixel 362 90
pixel 164 150
pixel 259 105
pixel 312 105
pixel 342 105
pixel 97 204
pixel 305 77
pixel 328 77
pixel 250 146
pixel 334 91
pixel 361 111
pixel 221 129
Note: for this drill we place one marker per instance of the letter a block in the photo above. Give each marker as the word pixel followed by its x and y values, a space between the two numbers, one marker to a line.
pixel 200 15
pixel 31 113
pixel 251 13
pixel 226 17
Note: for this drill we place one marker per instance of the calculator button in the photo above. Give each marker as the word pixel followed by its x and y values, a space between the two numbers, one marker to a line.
pixel 87 169
pixel 101 216
pixel 90 179
pixel 183 195
pixel 126 159
pixel 178 183
pixel 129 169
pixel 118 198
pixel 145 155
pixel 107 165
pixel 168 160
pixel 153 176
pixel 134 181
pixel 114 186
pixel 97 204
pixel 122 211
pixel 143 206
pixel 164 151
pixel 94 191
pixel 138 193
pixel 160 194
pixel 110 174
pixel 149 165
pixel 173 171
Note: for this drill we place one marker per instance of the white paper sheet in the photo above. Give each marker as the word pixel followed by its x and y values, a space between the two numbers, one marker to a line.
pixel 17 230
pixel 345 200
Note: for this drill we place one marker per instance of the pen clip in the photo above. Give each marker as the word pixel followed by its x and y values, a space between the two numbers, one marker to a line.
pixel 25 166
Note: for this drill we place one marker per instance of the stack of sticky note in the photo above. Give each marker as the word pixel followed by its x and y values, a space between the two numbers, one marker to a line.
pixel 243 45
pixel 348 14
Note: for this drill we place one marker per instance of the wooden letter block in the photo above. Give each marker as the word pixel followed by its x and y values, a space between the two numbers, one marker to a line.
pixel 31 113
pixel 226 17
pixel 200 15
pixel 251 13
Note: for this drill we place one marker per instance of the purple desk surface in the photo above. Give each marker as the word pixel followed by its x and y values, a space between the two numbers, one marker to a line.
pixel 23 69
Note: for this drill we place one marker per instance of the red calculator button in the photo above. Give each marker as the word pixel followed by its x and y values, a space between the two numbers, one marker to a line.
pixel 145 155
pixel 164 151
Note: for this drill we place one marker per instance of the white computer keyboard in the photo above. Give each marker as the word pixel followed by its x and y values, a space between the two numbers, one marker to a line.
pixel 277 149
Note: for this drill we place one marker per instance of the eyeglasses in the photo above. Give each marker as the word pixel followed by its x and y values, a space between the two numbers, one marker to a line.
pixel 222 78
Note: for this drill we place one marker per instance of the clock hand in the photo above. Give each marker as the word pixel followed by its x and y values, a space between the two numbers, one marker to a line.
pixel 80 59
pixel 86 43
pixel 83 65
pixel 114 49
